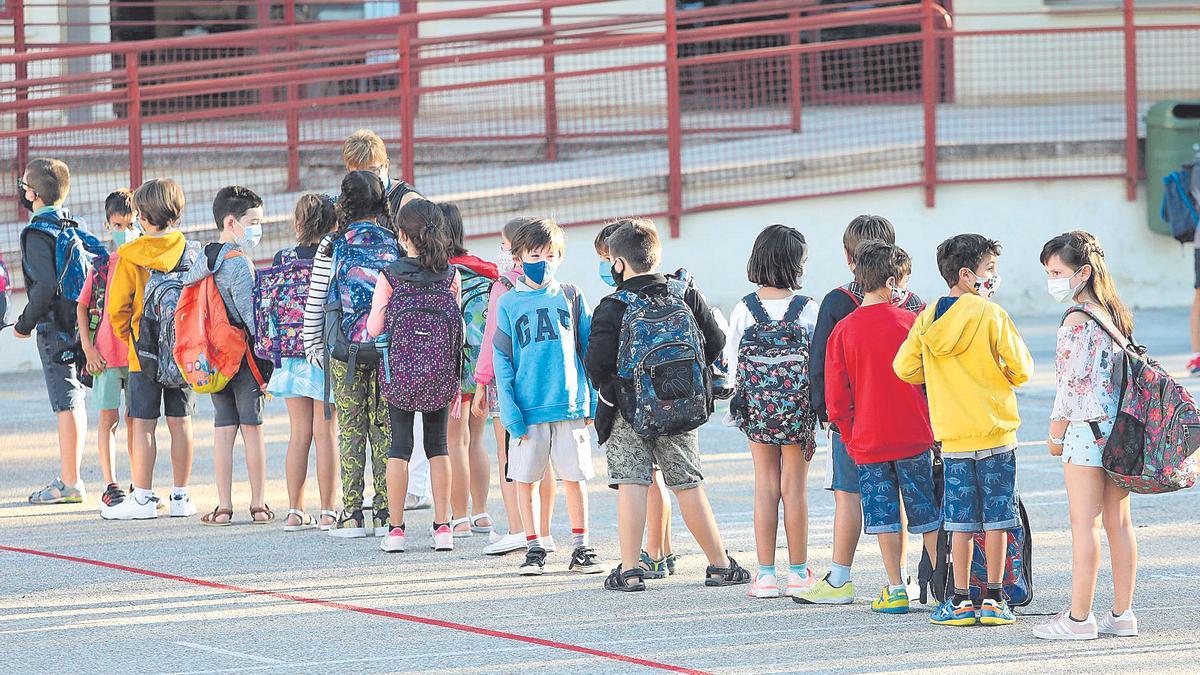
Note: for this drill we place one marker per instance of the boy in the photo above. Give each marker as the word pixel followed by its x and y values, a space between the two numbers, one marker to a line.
pixel 968 354
pixel 159 205
pixel 41 190
pixel 238 215
pixel 635 252
pixel 841 474
pixel 107 357
pixel 546 404
pixel 883 422
pixel 657 559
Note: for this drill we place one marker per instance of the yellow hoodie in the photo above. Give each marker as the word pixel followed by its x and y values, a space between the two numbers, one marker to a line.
pixel 137 259
pixel 969 360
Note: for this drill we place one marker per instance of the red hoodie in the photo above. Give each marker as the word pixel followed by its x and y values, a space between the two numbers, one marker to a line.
pixel 477 265
pixel 881 417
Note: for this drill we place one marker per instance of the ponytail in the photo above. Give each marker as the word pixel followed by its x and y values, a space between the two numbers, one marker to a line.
pixel 424 223
pixel 1078 248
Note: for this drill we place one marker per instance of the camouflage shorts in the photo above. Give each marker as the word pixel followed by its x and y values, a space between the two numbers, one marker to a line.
pixel 633 458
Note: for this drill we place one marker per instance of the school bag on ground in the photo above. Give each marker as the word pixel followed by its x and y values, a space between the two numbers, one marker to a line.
pixel 155 343
pixel 476 290
pixel 359 256
pixel 75 251
pixel 1178 208
pixel 209 349
pixel 666 386
pixel 422 363
pixel 1152 446
pixel 771 400
pixel 279 296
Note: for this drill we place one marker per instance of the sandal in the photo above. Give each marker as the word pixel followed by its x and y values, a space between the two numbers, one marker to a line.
pixel 306 521
pixel 217 512
pixel 726 576
pixel 461 534
pixel 629 580
pixel 331 515
pixel 481 529
pixel 255 510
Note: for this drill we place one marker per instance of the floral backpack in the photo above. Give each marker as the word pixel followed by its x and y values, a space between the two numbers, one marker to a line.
pixel 279 296
pixel 771 404
pixel 476 292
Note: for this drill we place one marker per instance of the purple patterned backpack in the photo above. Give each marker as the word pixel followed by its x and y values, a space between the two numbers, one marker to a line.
pixel 279 296
pixel 1153 443
pixel 420 368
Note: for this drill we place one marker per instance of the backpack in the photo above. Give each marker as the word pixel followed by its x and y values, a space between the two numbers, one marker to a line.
pixel 660 358
pixel 476 292
pixel 75 251
pixel 279 296
pixel 359 256
pixel 155 343
pixel 911 302
pixel 771 404
pixel 1178 209
pixel 1152 446
pixel 422 359
pixel 209 349
pixel 5 286
pixel 96 303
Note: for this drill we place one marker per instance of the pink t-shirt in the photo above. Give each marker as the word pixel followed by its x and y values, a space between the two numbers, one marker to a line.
pixel 114 352
pixel 484 370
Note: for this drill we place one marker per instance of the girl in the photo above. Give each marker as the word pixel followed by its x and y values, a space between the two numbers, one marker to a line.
pixel 780 448
pixel 486 402
pixel 362 417
pixel 421 229
pixel 302 385
pixel 1085 407
pixel 468 458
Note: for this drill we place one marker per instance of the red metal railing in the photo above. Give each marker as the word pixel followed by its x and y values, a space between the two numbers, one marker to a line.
pixel 567 108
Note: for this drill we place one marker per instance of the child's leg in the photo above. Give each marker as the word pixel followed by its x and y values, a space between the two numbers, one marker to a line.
pixel 766 500
pixel 794 492
pixel 842 479
pixel 547 491
pixel 223 439
pixel 1085 497
pixel 324 433
pixel 182 449
pixel 399 453
pixel 508 489
pixel 889 549
pixel 107 441
pixel 256 465
pixel 525 507
pixel 1122 544
pixel 962 513
pixel 460 469
pixel 962 549
pixel 631 518
pixel 353 421
pixel 141 463
pixel 479 466
pixel 72 432
pixel 300 420
pixel 577 507
pixel 379 428
pixel 658 519
pixel 698 516
pixel 433 428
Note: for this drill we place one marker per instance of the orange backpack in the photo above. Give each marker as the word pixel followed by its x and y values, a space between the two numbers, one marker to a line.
pixel 209 349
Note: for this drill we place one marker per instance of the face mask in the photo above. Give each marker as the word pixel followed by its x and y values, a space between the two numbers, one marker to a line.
pixel 505 262
pixel 1061 289
pixel 251 236
pixel 986 286
pixel 539 272
pixel 618 277
pixel 25 203
pixel 606 273
pixel 899 295
pixel 122 237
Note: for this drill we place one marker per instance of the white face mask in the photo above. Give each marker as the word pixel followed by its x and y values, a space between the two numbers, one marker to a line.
pixel 1061 290
pixel 504 261
pixel 251 236
pixel 122 237
pixel 986 286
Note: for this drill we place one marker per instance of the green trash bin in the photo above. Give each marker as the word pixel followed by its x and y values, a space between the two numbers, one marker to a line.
pixel 1172 138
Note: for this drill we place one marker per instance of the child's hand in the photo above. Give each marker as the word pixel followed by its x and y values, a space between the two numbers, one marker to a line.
pixel 1056 449
pixel 95 363
pixel 19 335
pixel 479 402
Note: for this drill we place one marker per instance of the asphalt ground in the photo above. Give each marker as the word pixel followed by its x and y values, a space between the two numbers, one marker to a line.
pixel 172 596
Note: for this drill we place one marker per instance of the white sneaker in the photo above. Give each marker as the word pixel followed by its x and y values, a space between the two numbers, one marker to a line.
pixel 548 543
pixel 443 539
pixel 513 541
pixel 394 541
pixel 132 509
pixel 764 586
pixel 1121 626
pixel 797 584
pixel 182 506
pixel 1063 627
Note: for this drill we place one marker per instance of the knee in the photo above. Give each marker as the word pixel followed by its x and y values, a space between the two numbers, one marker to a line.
pixel 792 488
pixel 1117 523
pixel 1085 523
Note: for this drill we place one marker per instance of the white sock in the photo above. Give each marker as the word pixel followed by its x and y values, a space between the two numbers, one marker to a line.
pixel 896 588
pixel 142 494
pixel 179 491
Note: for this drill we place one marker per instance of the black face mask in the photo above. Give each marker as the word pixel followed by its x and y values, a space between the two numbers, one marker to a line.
pixel 618 276
pixel 25 203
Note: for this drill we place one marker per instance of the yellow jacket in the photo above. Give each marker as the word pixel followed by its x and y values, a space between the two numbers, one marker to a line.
pixel 125 294
pixel 969 360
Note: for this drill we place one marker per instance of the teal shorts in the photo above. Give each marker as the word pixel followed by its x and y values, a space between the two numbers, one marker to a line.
pixel 107 388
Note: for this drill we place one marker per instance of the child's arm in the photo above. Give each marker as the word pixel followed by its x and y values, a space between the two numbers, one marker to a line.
pixel 816 355
pixel 908 363
pixel 314 306
pixel 119 300
pixel 585 336
pixel 41 283
pixel 603 335
pixel 714 336
pixel 1017 361
pixel 484 373
pixel 839 397
pixel 95 363
pixel 739 321
pixel 506 376
pixel 379 301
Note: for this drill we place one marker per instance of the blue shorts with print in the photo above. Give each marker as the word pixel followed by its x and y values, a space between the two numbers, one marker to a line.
pixel 981 490
pixel 883 484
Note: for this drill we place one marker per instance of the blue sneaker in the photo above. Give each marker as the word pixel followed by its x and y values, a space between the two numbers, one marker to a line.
pixel 996 613
pixel 949 614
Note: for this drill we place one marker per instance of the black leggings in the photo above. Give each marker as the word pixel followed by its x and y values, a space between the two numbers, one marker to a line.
pixel 433 428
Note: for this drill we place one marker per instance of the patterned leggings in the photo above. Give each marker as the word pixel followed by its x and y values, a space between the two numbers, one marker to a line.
pixel 362 418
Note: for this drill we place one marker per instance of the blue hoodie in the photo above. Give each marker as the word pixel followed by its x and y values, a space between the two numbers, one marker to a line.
pixel 539 368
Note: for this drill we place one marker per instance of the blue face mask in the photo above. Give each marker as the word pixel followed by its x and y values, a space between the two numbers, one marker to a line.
pixel 538 272
pixel 606 274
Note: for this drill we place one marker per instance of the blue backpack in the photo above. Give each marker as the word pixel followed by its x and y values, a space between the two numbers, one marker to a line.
pixel 1178 208
pixel 75 251
pixel 660 359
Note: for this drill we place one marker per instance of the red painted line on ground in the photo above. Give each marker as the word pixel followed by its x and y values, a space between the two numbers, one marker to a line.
pixel 466 628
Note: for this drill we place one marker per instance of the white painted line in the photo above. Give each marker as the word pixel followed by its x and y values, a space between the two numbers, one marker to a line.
pixel 218 650
pixel 366 659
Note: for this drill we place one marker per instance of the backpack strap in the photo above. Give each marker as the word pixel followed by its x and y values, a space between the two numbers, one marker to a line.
pixel 571 293
pixel 757 310
pixel 851 289
pixel 504 281
pixel 795 308
pixel 1126 345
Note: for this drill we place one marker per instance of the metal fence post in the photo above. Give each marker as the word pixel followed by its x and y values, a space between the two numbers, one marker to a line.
pixel 1132 172
pixel 134 118
pixel 674 124
pixel 929 90
pixel 293 108
pixel 795 90
pixel 21 73
pixel 407 107
pixel 549 85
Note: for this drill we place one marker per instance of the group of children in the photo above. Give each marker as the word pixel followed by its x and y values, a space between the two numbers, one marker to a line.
pixel 386 315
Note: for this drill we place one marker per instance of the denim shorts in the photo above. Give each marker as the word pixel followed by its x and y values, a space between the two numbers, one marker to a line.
pixel 65 390
pixel 107 387
pixel 883 484
pixel 981 490
pixel 841 473
pixel 146 399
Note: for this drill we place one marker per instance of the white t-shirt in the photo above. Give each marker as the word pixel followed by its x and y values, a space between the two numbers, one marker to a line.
pixel 741 319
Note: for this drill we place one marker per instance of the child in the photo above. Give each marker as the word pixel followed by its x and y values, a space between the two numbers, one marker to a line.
pixel 238 406
pixel 107 358
pixel 546 404
pixel 470 476
pixel 968 354
pixel 41 190
pixel 302 386
pixel 657 559
pixel 884 422
pixel 841 475
pixel 780 445
pixel 1085 408
pixel 485 401
pixel 161 248
pixel 635 252
pixel 362 415
pixel 426 274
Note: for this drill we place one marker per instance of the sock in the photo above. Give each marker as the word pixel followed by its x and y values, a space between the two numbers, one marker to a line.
pixel 1072 617
pixel 895 588
pixel 179 491
pixel 142 494
pixel 532 541
pixel 838 575
pixel 764 570
pixel 399 527
pixel 961 596
pixel 801 569
pixel 579 537
pixel 993 591
pixel 438 526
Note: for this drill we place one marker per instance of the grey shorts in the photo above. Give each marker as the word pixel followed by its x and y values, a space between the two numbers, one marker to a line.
pixel 632 459
pixel 568 444
pixel 62 380
pixel 240 402
pixel 146 399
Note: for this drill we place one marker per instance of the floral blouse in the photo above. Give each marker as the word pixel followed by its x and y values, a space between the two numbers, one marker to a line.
pixel 1086 379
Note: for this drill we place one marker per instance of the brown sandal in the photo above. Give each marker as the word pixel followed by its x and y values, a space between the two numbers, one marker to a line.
pixel 211 518
pixel 255 510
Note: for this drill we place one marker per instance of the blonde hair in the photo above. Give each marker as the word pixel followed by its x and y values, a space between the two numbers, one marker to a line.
pixel 160 202
pixel 364 149
pixel 1078 248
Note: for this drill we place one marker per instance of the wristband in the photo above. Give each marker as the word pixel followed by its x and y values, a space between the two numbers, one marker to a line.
pixel 1058 441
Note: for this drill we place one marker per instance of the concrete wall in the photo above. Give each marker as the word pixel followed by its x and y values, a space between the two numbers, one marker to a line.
pixel 1150 270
